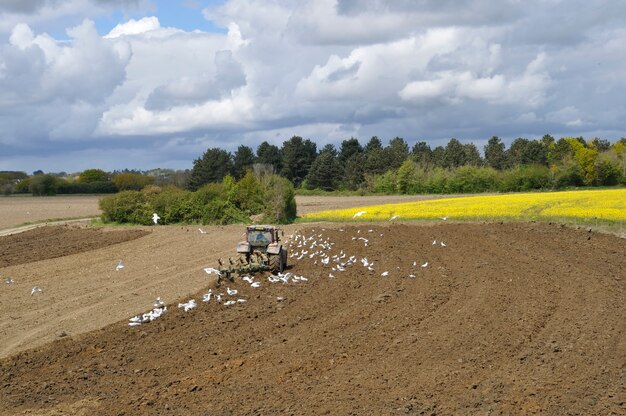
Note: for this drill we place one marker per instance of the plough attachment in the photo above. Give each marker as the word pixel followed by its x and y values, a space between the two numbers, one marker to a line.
pixel 253 263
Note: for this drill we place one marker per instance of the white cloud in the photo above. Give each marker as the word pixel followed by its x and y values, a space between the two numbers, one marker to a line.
pixel 134 27
pixel 324 69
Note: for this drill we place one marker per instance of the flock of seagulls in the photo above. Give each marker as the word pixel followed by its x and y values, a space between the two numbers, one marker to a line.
pixel 229 298
pixel 319 248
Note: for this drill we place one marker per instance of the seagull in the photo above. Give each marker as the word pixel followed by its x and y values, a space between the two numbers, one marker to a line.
pixel 411 275
pixel 158 302
pixel 201 231
pixel 444 218
pixel 425 264
pixel 120 265
pixel 331 276
pixel 207 296
pixel 393 218
pixel 241 301
pixel 229 302
pixel 210 270
pixel 443 244
pixel 188 305
pixel 414 263
pixel 35 290
pixel 384 274
pixel 218 298
pixel 247 279
pixel 434 242
pixel 256 284
pixel 231 292
pixel 358 214
pixel 155 218
pixel 8 281
pixel 280 298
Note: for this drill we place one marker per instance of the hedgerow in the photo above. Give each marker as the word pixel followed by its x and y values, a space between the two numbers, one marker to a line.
pixel 270 197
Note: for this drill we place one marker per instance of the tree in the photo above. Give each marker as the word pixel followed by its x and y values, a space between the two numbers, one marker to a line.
pixel 132 181
pixel 373 144
pixel 472 156
pixel 325 172
pixel 494 153
pixel 348 149
pixel 396 153
pixel 601 145
pixel 213 166
pixel 527 152
pixel 93 175
pixel 354 172
pixel 242 161
pixel 297 157
pixel 43 185
pixel 586 160
pixel 438 156
pixel 454 154
pixel 405 177
pixel 422 154
pixel 268 154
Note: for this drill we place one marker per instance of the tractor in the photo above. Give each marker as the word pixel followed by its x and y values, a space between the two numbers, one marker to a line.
pixel 260 252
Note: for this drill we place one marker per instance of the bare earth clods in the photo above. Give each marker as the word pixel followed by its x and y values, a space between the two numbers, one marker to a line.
pixel 505 319
pixel 51 242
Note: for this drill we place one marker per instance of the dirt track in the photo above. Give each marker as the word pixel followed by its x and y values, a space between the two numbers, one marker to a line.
pixel 506 319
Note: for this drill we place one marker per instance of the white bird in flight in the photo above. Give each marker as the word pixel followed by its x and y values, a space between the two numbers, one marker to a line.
pixel 120 265
pixel 155 218
pixel 444 218
pixel 393 218
pixel 35 290
pixel 358 214
pixel 211 270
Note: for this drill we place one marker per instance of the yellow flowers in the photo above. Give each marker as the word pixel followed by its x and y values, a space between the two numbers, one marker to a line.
pixel 572 205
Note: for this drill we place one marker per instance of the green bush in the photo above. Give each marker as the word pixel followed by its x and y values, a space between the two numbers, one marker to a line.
pixel 472 179
pixel 126 207
pixel 526 178
pixel 216 203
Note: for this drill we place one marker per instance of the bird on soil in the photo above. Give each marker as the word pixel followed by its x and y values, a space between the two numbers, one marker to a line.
pixel 187 306
pixel 231 292
pixel 425 264
pixel 35 290
pixel 120 265
pixel 158 302
pixel 8 281
pixel 201 231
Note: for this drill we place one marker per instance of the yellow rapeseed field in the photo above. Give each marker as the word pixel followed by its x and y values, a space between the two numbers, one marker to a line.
pixel 608 205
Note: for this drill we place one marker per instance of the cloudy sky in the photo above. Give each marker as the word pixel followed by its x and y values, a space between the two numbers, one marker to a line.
pixel 140 84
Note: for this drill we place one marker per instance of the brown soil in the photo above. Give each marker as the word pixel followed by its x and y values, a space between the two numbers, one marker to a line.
pixel 50 242
pixel 506 319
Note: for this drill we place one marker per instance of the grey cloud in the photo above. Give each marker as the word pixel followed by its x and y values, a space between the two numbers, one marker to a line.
pixel 23 6
pixel 344 73
pixel 191 91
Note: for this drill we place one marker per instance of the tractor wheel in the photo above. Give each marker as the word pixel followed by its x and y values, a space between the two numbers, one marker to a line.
pixel 275 264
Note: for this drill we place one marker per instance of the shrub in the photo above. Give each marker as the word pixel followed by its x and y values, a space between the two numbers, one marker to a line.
pixel 126 207
pixel 526 178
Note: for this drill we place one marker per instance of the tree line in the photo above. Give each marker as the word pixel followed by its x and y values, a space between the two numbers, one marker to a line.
pixel 527 164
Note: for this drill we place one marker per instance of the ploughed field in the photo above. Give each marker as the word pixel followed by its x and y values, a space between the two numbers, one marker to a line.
pixel 502 319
